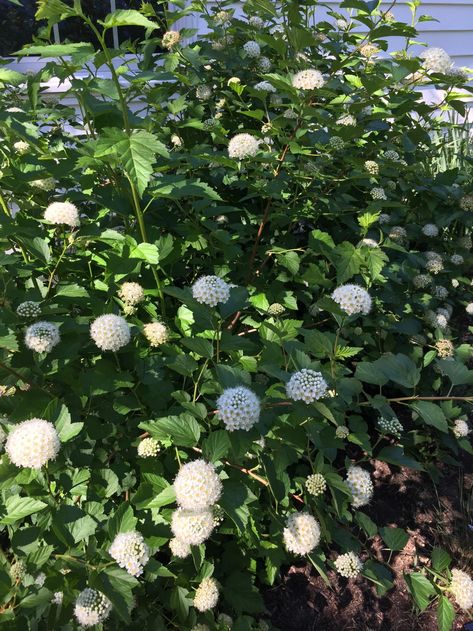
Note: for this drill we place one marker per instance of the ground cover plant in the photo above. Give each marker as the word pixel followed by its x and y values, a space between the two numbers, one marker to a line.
pixel 231 280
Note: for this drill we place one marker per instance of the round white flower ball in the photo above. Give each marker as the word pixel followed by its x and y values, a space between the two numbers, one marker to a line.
pixel 264 64
pixel 301 534
pixel 378 193
pixel 197 485
pixel 211 290
pixel 206 595
pixel 437 60
pixel 203 92
pixel 461 428
pixel 342 432
pixel 255 21
pixel 32 443
pixel 462 589
pixel 132 293
pixel 316 484
pixel 57 598
pixel 194 527
pixel 469 308
pixel 170 39
pixel 110 332
pixel 348 565
pixel 352 299
pixel 457 259
pixel 21 147
pixel 252 49
pixel 130 552
pixel 239 408
pixel 359 482
pixel 265 86
pixel 148 448
pixel 372 167
pixel 430 230
pixel 42 337
pixel 91 607
pixel 156 333
pixel 62 213
pixel 306 385
pixel 243 146
pixel 309 79
pixel 29 309
pixel 179 548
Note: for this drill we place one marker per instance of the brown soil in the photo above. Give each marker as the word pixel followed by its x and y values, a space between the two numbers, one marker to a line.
pixel 405 499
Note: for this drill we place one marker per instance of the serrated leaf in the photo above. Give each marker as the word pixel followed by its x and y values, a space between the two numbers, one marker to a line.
pixel 421 589
pixel 440 559
pixel 198 345
pixel 395 455
pixel 445 614
pixel 17 508
pixel 147 252
pixel 431 414
pixel 216 446
pixel 128 17
pixel 183 430
pixel 123 520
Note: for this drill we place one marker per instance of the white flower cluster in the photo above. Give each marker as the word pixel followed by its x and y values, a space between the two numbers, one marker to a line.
pixel 316 484
pixel 252 49
pixel 430 230
pixel 197 485
pixel 179 548
pixel 352 299
pixel 110 332
pixel 32 443
pixel 18 571
pixel 368 243
pixel 390 426
pixel 398 233
pixel 348 120
pixel 91 607
pixel 369 50
pixel 421 281
pixel 203 92
pixel 462 589
pixel 437 60
pixel 255 21
pixel 361 487
pixel 243 146
pixel 156 333
pixel 461 428
pixel 131 293
pixel 348 565
pixel 170 39
pixel 440 292
pixel 444 348
pixel 239 408
pixel 466 202
pixel 29 309
pixel 42 337
pixel 206 595
pixel 148 448
pixel 57 598
pixel 301 534
pixel 390 154
pixel 225 622
pixel 21 147
pixel 265 86
pixel 306 385
pixel 211 290
pixel 457 259
pixel 372 167
pixel 342 432
pixel 223 18
pixel 264 64
pixel 336 142
pixel 40 579
pixel 130 552
pixel 469 308
pixel 62 213
pixel 384 218
pixel 276 309
pixel 309 79
pixel 378 193
pixel 193 527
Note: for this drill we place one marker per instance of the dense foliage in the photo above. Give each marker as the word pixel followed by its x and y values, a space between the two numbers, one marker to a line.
pixel 282 306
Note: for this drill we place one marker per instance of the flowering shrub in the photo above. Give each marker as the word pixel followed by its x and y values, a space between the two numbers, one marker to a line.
pixel 230 281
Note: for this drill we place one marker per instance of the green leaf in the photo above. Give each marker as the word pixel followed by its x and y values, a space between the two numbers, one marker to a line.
pixel 11 76
pixel 216 446
pixel 147 252
pixel 457 373
pixel 421 589
pixel 118 586
pixel 440 559
pixel 234 500
pixel 198 345
pixel 183 430
pixel 242 594
pixel 400 369
pixel 445 614
pixel 394 538
pixel 378 574
pixel 17 508
pixel 395 455
pixel 370 373
pixel 431 414
pixel 123 520
pixel 53 11
pixel 366 523
pixel 76 51
pixel 136 152
pixel 124 17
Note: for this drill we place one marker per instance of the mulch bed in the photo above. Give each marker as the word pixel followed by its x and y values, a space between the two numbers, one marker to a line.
pixel 405 499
